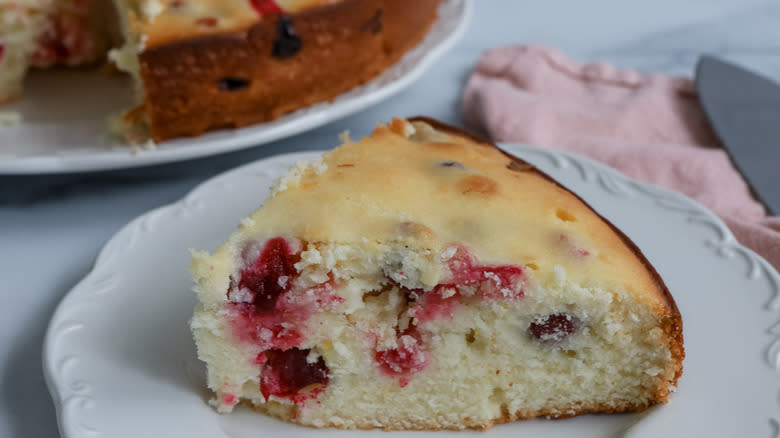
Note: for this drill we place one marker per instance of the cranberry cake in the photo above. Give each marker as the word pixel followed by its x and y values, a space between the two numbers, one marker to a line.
pixel 423 279
pixel 202 65
pixel 43 33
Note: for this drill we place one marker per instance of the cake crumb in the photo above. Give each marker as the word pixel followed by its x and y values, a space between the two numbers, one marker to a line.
pixel 293 177
pixel 319 166
pixel 152 9
pixel 448 253
pixel 345 138
pixel 559 275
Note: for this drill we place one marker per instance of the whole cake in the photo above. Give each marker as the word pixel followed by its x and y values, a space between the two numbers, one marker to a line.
pixel 202 65
pixel 423 279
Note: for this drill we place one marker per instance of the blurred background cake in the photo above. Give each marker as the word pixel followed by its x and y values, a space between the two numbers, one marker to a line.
pixel 201 65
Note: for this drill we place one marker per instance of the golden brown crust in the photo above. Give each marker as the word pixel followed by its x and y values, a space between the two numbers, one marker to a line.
pixel 343 45
pixel 672 320
pixel 289 413
pixel 11 98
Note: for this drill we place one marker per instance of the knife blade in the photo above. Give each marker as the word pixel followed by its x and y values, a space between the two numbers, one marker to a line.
pixel 744 109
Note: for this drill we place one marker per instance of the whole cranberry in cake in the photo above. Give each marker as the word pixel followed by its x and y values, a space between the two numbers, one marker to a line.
pixel 553 328
pixel 269 275
pixel 289 374
pixel 421 278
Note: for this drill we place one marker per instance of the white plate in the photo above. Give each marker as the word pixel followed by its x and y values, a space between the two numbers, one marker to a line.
pixel 120 362
pixel 65 113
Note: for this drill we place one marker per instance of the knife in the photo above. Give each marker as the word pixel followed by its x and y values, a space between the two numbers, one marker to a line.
pixel 744 109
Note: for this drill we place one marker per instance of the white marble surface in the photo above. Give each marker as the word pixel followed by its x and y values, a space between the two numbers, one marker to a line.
pixel 51 228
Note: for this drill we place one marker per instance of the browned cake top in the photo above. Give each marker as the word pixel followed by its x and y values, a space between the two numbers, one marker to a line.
pixel 448 189
pixel 166 21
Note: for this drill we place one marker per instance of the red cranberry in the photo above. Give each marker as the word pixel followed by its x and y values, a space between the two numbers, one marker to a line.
pixel 287 372
pixel 434 305
pixel 2 51
pixel 502 278
pixel 408 357
pixel 553 328
pixel 229 399
pixel 491 282
pixel 270 275
pixel 52 42
pixel 266 7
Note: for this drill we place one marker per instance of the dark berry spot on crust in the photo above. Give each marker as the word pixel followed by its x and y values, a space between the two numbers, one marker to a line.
pixel 374 24
pixel 2 51
pixel 287 42
pixel 553 328
pixel 232 84
pixel 287 372
pixel 207 21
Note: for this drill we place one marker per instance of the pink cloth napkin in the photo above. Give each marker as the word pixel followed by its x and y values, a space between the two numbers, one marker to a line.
pixel 649 127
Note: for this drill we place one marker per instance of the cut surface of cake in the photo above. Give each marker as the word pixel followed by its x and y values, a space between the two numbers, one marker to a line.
pixel 421 278
pixel 201 65
pixel 44 33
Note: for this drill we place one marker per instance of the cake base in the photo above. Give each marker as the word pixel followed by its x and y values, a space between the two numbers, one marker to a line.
pixel 289 413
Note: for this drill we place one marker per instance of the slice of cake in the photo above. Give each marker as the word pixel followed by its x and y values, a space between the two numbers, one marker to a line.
pixel 43 33
pixel 423 279
pixel 202 65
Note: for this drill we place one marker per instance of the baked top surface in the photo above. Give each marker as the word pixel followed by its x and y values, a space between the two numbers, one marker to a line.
pixel 166 21
pixel 453 191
